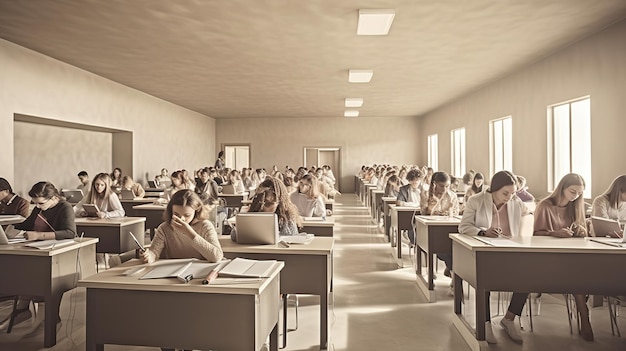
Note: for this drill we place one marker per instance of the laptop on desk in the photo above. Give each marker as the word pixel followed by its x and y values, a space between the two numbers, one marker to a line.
pixel 257 228
pixel 126 194
pixel 13 237
pixel 72 196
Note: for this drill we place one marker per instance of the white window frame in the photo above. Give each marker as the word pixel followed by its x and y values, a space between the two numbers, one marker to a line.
pixel 457 152
pixel 433 151
pixel 501 144
pixel 568 121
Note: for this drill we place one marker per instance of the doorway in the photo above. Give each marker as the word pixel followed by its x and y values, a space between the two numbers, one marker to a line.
pixel 237 156
pixel 320 156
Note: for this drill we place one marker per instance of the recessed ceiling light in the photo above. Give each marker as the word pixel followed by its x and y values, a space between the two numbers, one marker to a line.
pixel 360 75
pixel 375 22
pixel 351 113
pixel 354 102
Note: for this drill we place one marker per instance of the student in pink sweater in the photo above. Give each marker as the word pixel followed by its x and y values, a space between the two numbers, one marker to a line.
pixel 562 215
pixel 186 233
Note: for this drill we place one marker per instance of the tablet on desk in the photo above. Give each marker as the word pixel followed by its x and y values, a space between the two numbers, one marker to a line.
pixel 604 226
pixel 91 209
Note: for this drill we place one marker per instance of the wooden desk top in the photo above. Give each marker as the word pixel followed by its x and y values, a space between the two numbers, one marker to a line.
pixel 376 191
pixel 108 222
pixel 245 193
pixel 11 219
pixel 403 208
pixel 150 207
pixel 389 199
pixel 438 220
pixel 142 200
pixel 21 249
pixel 319 245
pixel 312 222
pixel 114 278
pixel 539 244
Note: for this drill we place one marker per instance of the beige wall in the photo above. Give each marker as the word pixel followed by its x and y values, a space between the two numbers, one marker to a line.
pixel 595 66
pixel 281 141
pixel 164 135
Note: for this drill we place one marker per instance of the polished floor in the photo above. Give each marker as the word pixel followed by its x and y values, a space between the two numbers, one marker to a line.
pixel 376 306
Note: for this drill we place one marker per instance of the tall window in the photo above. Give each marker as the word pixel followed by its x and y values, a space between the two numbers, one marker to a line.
pixel 433 152
pixel 570 141
pixel 501 144
pixel 457 138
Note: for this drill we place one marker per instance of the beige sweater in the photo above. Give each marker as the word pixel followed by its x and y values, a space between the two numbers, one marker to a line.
pixel 170 244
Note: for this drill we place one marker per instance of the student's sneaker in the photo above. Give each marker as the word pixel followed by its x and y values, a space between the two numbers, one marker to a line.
pixel 265 347
pixel 512 329
pixel 405 239
pixel 489 337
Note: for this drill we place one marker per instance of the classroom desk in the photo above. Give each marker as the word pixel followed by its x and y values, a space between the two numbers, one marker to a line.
pixel 357 185
pixel 431 237
pixel 152 213
pixel 308 270
pixel 11 219
pixel 319 227
pixel 385 202
pixel 329 204
pixel 50 273
pixel 124 310
pixel 369 195
pixel 377 195
pixel 153 192
pixel 128 205
pixel 234 200
pixel 401 219
pixel 113 232
pixel 538 264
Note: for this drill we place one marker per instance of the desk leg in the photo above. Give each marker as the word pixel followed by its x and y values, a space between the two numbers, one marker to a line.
pixel 481 316
pixel 324 321
pixel 431 270
pixel 273 338
pixel 50 319
pixel 399 242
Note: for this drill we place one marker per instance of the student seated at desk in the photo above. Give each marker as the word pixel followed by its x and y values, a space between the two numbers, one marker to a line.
pixel 493 213
pixel 562 215
pixel 477 186
pixel 271 196
pixel 162 179
pixel 206 187
pixel 440 200
pixel 178 184
pixel 307 198
pixel 186 233
pixel 235 180
pixel 10 203
pixel 85 183
pixel 612 204
pixel 522 190
pixel 136 188
pixel 52 218
pixel 411 194
pixel 392 188
pixel 101 195
pixel 116 178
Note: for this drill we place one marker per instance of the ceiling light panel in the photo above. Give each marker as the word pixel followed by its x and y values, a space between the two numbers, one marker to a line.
pixel 354 102
pixel 360 75
pixel 375 22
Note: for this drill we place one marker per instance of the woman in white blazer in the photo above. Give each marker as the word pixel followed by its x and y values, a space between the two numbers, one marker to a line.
pixel 497 212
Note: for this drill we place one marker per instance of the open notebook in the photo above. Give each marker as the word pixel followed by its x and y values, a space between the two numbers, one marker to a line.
pixel 179 268
pixel 49 244
pixel 243 267
pixel 11 236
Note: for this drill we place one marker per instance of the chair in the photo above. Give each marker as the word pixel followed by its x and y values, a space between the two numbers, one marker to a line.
pixel 614 303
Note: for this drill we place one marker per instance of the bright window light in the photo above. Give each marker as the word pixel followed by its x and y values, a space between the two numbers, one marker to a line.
pixel 360 75
pixel 375 22
pixel 354 102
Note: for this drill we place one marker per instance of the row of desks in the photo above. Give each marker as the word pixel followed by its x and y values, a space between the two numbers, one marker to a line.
pixel 252 308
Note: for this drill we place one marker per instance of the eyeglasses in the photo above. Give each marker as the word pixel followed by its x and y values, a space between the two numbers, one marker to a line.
pixel 42 203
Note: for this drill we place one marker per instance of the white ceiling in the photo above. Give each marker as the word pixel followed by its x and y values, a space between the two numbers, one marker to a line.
pixel 290 58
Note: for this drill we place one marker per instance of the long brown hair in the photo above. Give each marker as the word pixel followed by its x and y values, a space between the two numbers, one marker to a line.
pixel 184 198
pixel 93 193
pixel 273 189
pixel 575 210
pixel 615 190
